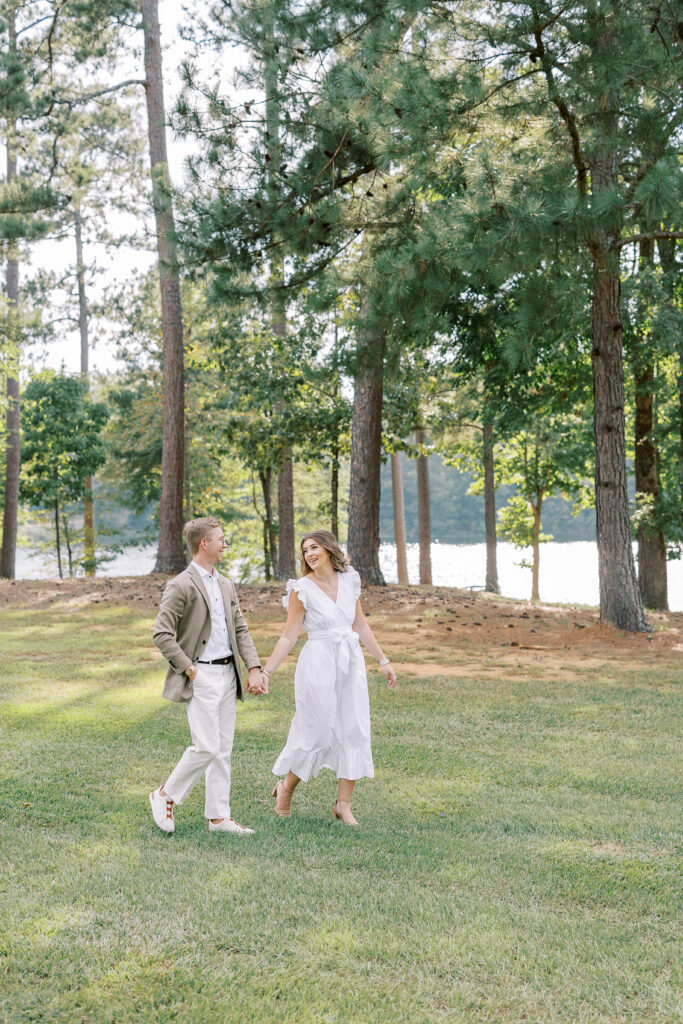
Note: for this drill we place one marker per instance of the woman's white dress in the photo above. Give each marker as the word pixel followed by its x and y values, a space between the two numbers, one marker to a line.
pixel 331 726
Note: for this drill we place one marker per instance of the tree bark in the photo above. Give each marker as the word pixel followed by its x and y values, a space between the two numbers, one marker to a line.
pixel 667 256
pixel 334 493
pixel 187 481
pixel 536 551
pixel 10 510
pixel 680 431
pixel 12 444
pixel 285 566
pixel 170 554
pixel 270 530
pixel 490 513
pixel 620 602
pixel 366 444
pixel 67 541
pixel 334 475
pixel 285 516
pixel 88 504
pixel 59 544
pixel 266 552
pixel 399 517
pixel 424 527
pixel 651 544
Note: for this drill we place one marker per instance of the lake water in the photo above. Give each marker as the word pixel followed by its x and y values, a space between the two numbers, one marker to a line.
pixel 569 572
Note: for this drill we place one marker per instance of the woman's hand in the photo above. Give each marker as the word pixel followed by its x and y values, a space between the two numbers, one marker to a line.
pixel 389 673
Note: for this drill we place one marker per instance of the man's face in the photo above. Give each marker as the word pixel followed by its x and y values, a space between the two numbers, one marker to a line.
pixel 214 545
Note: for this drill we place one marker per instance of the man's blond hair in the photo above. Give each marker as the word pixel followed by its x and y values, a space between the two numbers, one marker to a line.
pixel 197 529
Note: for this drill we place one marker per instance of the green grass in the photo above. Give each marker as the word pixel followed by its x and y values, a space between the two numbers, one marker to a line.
pixel 519 856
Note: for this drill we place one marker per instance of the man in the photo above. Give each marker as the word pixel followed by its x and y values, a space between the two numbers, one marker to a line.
pixel 200 631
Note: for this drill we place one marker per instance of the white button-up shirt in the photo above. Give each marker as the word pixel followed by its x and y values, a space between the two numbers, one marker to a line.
pixel 218 644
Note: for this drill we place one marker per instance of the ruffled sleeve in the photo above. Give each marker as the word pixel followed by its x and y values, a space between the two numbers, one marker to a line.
pixel 298 586
pixel 354 580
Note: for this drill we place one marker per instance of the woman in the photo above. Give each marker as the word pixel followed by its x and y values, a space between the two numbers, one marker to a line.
pixel 331 727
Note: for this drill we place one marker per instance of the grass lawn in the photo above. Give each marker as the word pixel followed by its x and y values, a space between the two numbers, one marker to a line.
pixel 519 856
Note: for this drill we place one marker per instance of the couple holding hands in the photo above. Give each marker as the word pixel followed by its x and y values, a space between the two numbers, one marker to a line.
pixel 201 632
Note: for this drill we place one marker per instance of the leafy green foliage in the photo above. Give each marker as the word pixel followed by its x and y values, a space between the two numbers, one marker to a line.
pixel 62 440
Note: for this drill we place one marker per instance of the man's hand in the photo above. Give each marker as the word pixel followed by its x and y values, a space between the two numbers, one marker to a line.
pixel 256 682
pixel 191 672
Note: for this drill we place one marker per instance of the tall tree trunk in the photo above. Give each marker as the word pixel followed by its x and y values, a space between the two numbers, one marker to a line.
pixel 264 522
pixel 170 554
pixel 285 565
pixel 399 517
pixel 67 541
pixel 58 540
pixel 334 475
pixel 266 552
pixel 334 492
pixel 680 431
pixel 366 445
pixel 667 255
pixel 187 481
pixel 651 543
pixel 12 425
pixel 88 504
pixel 285 518
pixel 620 602
pixel 490 513
pixel 270 529
pixel 652 567
pixel 424 527
pixel 536 550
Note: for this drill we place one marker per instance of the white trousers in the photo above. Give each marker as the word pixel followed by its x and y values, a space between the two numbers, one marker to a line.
pixel 211 713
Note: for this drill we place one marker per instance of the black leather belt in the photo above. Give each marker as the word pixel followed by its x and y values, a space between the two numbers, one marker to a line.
pixel 217 661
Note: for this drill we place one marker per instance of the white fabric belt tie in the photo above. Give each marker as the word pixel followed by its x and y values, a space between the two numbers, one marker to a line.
pixel 343 635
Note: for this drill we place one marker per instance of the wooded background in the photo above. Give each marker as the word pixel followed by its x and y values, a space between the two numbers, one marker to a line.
pixel 442 229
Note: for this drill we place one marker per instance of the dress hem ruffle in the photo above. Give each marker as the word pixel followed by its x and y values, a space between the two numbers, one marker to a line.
pixel 355 763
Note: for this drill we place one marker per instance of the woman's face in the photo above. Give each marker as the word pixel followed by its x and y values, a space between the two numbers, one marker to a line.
pixel 317 557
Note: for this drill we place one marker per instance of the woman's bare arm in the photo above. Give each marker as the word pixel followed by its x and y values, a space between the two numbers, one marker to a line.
pixel 295 619
pixel 368 639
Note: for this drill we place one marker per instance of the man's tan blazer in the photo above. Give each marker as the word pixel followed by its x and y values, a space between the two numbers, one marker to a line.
pixel 183 627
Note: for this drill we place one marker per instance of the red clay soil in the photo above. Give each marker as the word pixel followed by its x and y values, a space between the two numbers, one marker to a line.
pixel 427 631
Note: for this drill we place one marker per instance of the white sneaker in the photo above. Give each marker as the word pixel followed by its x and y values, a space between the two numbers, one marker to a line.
pixel 162 811
pixel 230 825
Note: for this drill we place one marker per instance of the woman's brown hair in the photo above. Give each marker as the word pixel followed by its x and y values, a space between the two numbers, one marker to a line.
pixel 328 541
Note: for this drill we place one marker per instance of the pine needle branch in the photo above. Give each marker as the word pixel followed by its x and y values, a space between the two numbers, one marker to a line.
pixel 648 236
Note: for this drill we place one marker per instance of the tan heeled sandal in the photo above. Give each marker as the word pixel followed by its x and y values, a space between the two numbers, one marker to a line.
pixel 283 800
pixel 345 814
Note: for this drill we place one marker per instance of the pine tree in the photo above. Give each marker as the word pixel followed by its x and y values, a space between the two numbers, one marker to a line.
pixel 595 61
pixel 170 555
pixel 25 201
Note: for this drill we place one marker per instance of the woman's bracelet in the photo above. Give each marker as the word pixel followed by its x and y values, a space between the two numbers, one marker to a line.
pixel 269 674
pixel 385 661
